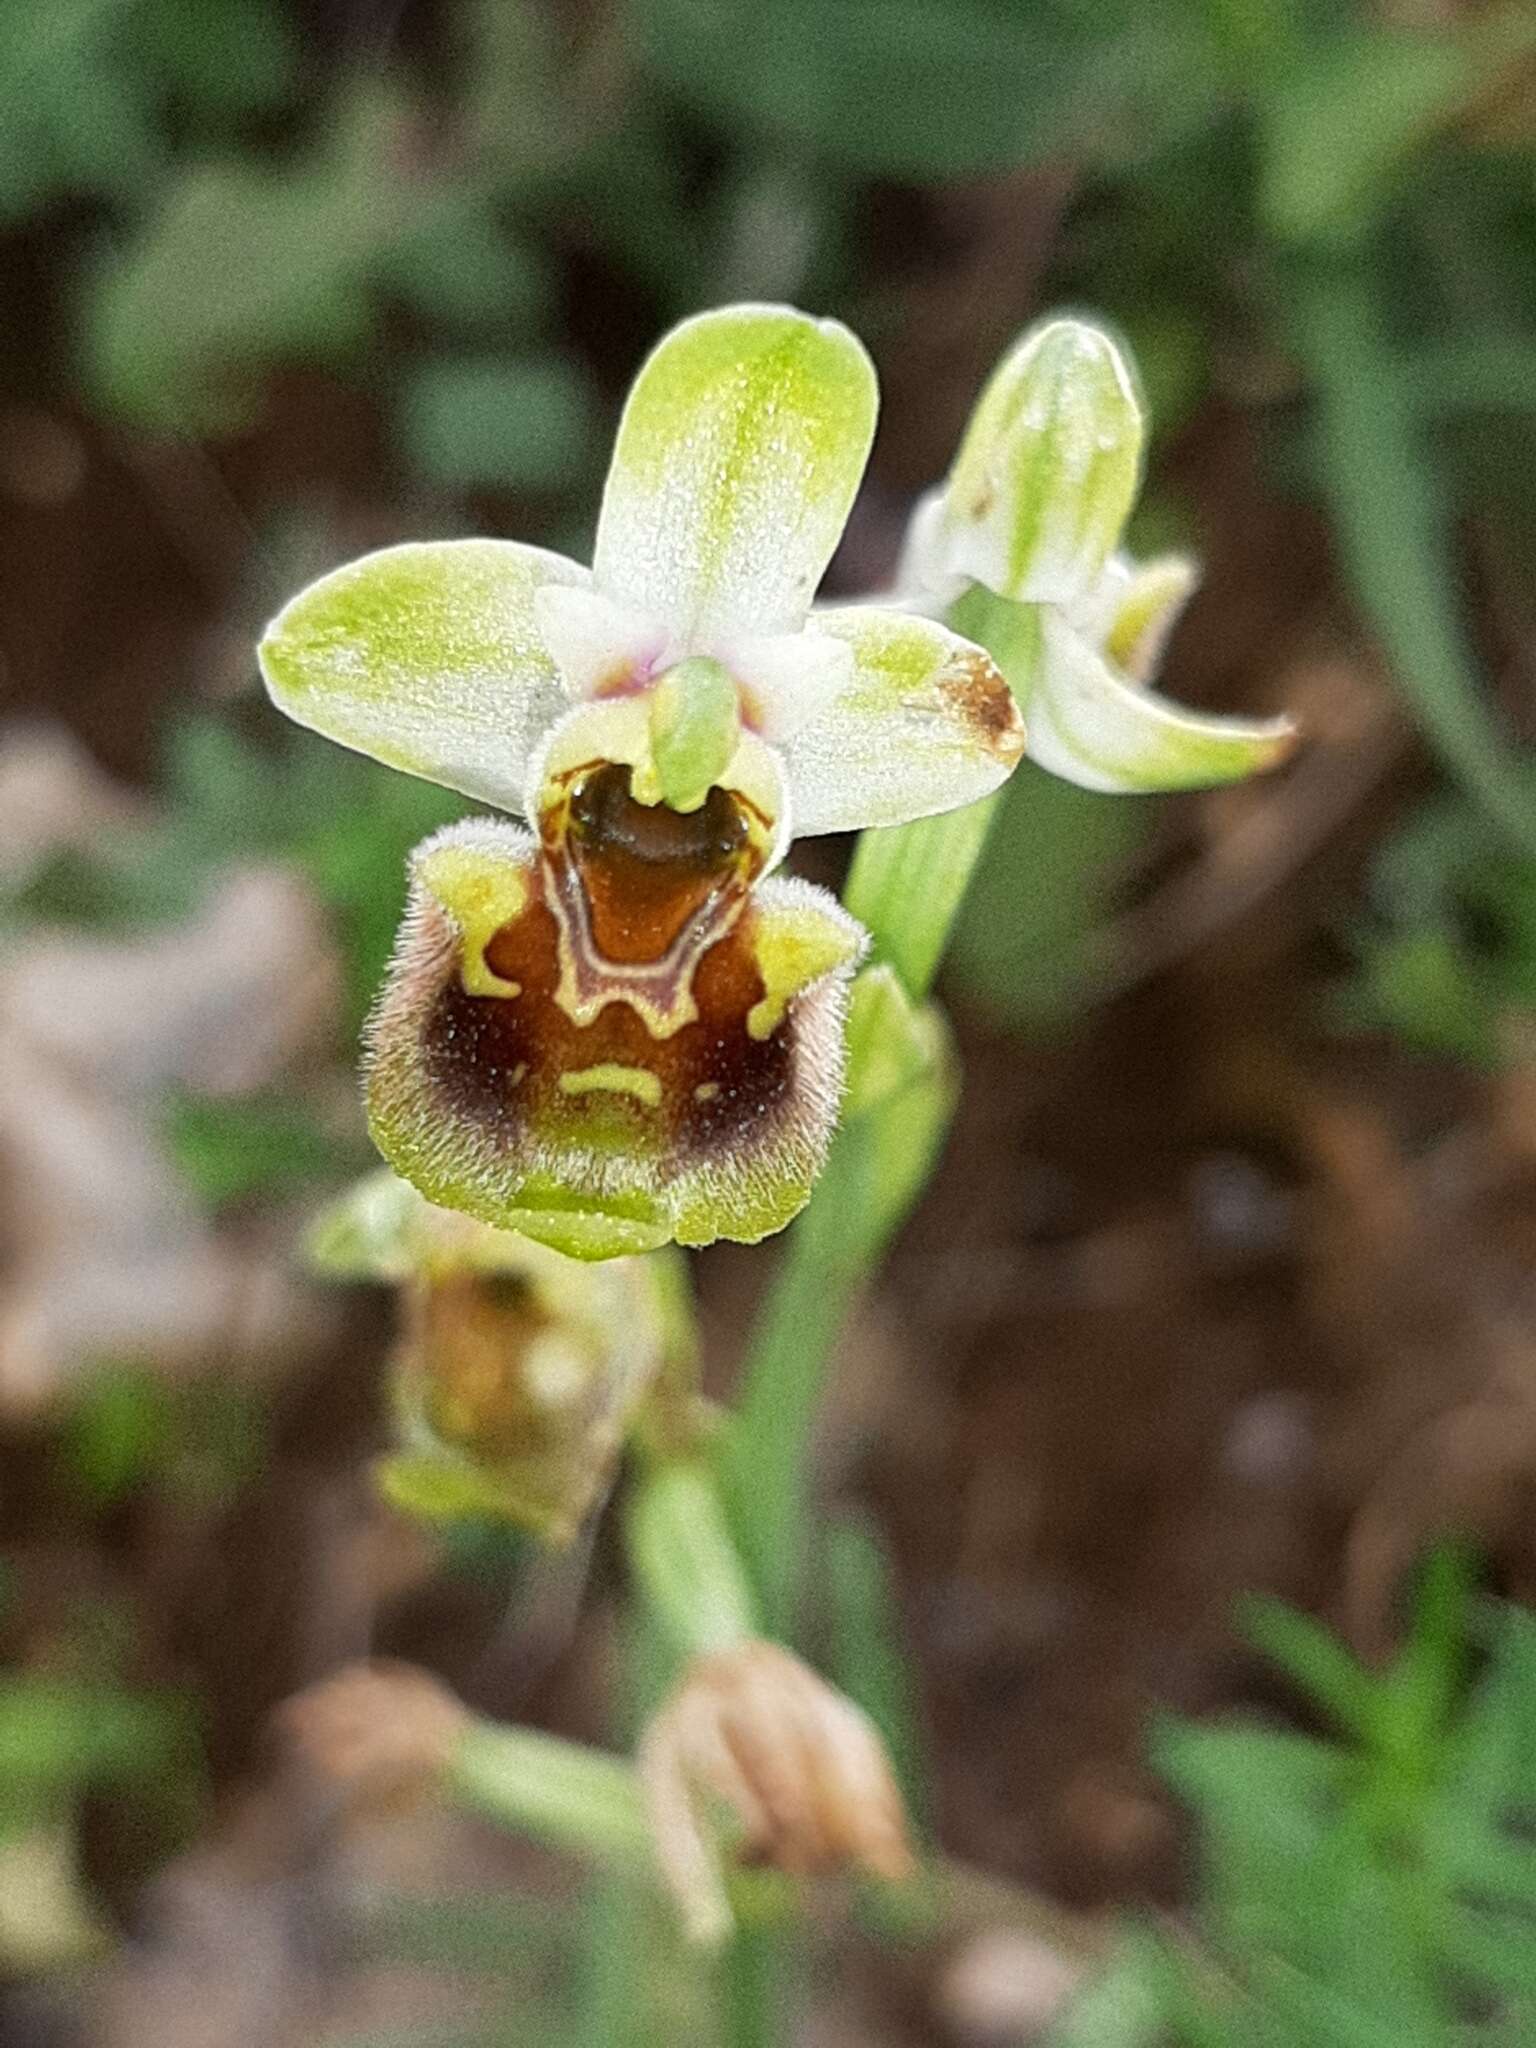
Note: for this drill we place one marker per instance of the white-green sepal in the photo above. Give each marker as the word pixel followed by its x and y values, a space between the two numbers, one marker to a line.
pixel 428 657
pixel 1047 472
pixel 737 460
pixel 924 722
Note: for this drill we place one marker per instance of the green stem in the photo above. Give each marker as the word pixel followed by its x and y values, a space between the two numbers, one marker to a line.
pixel 684 1557
pixel 561 1793
pixel 906 884
pixel 1394 534
pixel 754 1981
pixel 808 1301
pixel 925 868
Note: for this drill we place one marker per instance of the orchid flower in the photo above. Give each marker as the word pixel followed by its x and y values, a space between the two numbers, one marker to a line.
pixel 1033 512
pixel 620 1027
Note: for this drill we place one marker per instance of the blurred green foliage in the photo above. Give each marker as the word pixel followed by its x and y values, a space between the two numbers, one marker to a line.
pixel 1376 1890
pixel 1446 952
pixel 128 1431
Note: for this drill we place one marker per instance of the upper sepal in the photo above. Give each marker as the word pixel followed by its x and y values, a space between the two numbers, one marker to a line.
pixel 1047 472
pixel 738 456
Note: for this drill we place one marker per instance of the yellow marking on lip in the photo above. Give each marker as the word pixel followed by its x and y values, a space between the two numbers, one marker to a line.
pixel 706 1091
pixel 480 895
pixel 480 980
pixel 612 1079
pixel 794 949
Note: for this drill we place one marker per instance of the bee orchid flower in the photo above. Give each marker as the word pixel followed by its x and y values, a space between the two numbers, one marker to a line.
pixel 619 1027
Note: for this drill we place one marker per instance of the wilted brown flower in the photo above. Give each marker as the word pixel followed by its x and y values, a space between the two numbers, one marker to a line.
pixel 519 1371
pixel 381 1733
pixel 798 1772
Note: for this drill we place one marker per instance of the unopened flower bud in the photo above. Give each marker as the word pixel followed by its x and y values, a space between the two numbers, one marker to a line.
pixel 800 1774
pixel 1048 469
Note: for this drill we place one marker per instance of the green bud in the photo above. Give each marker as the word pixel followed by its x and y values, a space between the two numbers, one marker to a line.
pixel 1048 469
pixel 695 723
pixel 892 1041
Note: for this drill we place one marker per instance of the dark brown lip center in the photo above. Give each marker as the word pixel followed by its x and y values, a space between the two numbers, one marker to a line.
pixel 647 870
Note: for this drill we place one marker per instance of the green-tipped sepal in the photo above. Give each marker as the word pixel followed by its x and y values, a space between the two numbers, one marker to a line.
pixel 1081 674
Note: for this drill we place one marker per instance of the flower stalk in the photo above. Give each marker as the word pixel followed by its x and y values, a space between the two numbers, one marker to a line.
pixel 685 1562
pixel 1018 553
pixel 562 1793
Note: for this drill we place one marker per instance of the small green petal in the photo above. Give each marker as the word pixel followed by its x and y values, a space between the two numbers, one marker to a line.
pixel 736 465
pixel 439 1489
pixel 695 724
pixel 1048 469
pixel 429 658
pixel 1092 727
pixel 1157 592
pixel 924 723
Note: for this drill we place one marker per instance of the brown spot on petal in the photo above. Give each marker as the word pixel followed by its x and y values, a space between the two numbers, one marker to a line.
pixel 973 684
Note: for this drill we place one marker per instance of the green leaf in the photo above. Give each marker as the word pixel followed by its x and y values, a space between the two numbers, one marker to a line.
pixel 1031 939
pixel 907 882
pixel 57 1736
pixel 118 1433
pixel 1339 136
pixel 231 1150
pixel 1314 1659
pixel 241 266
pixel 471 272
pixel 934 89
pixel 75 118
pixel 498 423
pixel 1347 122
pixel 1126 2004
pixel 1393 521
pixel 222 57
